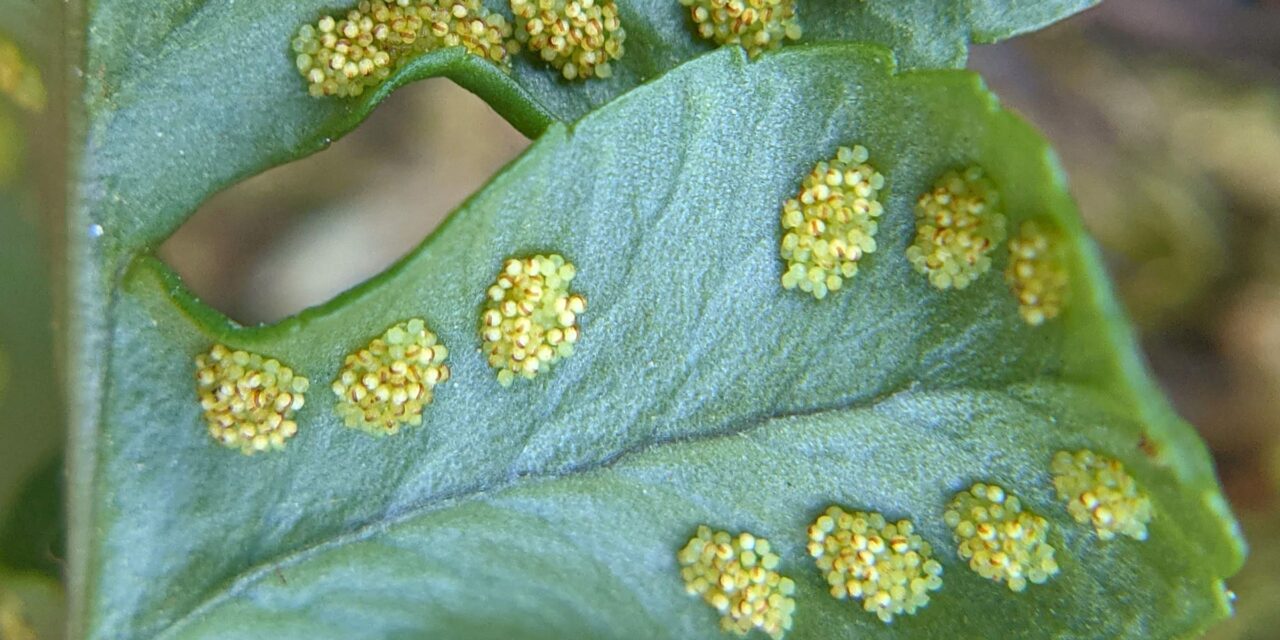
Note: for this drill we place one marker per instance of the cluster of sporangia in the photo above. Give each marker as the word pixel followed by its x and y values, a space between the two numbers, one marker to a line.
pixel 736 575
pixel 345 54
pixel 530 319
pixel 889 568
pixel 757 25
pixel 884 564
pixel 529 323
pixel 1036 273
pixel 248 401
pixel 578 37
pixel 386 384
pixel 831 225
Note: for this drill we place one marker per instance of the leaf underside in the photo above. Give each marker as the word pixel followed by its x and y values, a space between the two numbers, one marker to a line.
pixel 701 392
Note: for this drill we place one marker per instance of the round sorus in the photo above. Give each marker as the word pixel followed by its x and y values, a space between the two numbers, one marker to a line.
pixel 863 557
pixel 757 25
pixel 958 224
pixel 831 223
pixel 737 575
pixel 466 23
pixel 530 319
pixel 1037 273
pixel 1001 541
pixel 346 55
pixel 342 56
pixel 578 37
pixel 248 400
pixel 387 384
pixel 1098 491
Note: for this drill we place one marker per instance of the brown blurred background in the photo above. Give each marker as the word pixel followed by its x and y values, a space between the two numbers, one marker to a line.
pixel 1166 114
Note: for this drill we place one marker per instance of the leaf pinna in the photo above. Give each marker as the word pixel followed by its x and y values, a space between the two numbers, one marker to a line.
pixel 700 392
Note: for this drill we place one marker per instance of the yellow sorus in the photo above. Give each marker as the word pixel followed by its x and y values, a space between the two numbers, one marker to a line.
pixel 1097 490
pixel 342 56
pixel 958 224
pixel 757 25
pixel 467 23
pixel 19 79
pixel 530 319
pixel 248 401
pixel 1001 541
pixel 831 224
pixel 737 575
pixel 578 37
pixel 387 384
pixel 885 565
pixel 1037 273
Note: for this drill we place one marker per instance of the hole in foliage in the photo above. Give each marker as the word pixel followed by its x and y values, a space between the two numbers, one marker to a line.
pixel 298 235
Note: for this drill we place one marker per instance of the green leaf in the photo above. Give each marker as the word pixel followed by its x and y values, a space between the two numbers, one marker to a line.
pixel 701 392
pixel 186 97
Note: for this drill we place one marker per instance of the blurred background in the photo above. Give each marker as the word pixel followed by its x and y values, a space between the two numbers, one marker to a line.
pixel 1166 114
